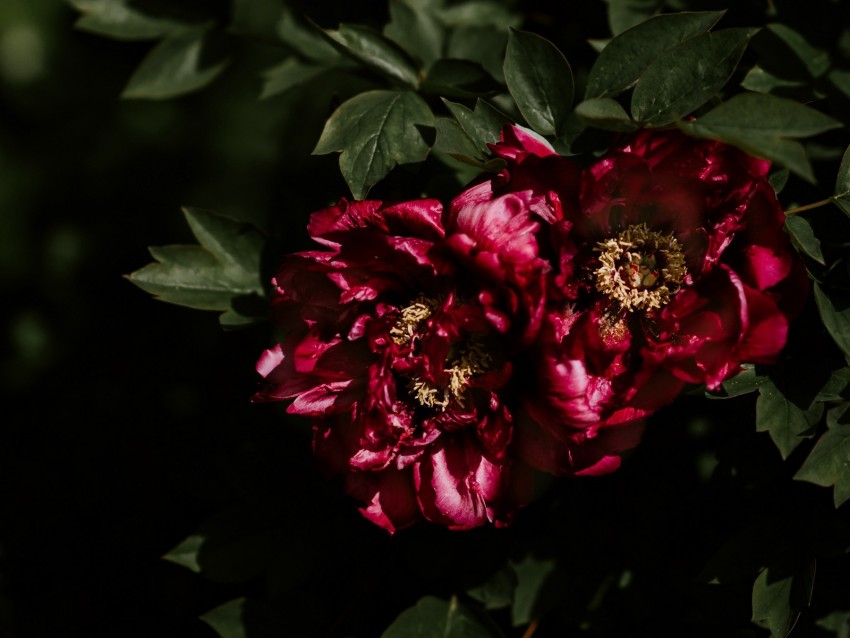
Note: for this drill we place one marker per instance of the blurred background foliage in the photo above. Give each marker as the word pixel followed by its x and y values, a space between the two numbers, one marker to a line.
pixel 128 426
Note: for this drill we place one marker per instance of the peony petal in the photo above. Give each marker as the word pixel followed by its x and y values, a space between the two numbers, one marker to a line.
pixel 455 482
pixel 418 218
pixel 390 497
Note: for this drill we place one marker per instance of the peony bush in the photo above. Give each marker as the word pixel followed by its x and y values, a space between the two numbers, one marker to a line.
pixel 534 322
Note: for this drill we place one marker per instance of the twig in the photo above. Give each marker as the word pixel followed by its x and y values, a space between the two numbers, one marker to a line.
pixel 818 204
pixel 531 629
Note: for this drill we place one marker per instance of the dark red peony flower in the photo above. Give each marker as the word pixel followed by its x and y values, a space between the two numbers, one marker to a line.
pixel 672 268
pixel 547 311
pixel 399 346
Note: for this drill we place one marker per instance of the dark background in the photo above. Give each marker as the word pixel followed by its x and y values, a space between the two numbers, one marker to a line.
pixel 128 424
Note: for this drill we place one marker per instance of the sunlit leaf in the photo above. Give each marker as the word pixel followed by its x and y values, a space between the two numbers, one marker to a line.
pixel 686 76
pixel 374 131
pixel 175 66
pixel 624 58
pixel 215 275
pixel 540 81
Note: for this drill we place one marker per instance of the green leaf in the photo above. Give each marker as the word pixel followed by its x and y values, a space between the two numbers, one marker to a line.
pixel 842 184
pixel 686 76
pixel 459 78
pixel 175 66
pixel 483 125
pixel 256 18
pixel 540 81
pixel 374 51
pixel 436 618
pixel 498 591
pixel 606 114
pixel 834 310
pixel 837 622
pixel 287 75
pixel 115 19
pixel 814 60
pixel 374 131
pixel 757 79
pixel 787 422
pixel 186 553
pixel 417 30
pixel 838 415
pixel 226 619
pixel 627 56
pixel 779 596
pixel 216 275
pixel 529 600
pixel 744 382
pixel 451 139
pixel 761 125
pixel 779 179
pixel 625 14
pixel 481 44
pixel 834 389
pixel 804 237
pixel 307 39
pixel 479 13
pixel 829 463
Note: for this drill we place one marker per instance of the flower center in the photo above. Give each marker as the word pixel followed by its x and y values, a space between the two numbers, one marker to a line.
pixel 405 328
pixel 640 268
pixel 471 358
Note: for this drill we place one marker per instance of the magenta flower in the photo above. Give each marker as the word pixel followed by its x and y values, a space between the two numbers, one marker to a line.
pixel 672 269
pixel 399 346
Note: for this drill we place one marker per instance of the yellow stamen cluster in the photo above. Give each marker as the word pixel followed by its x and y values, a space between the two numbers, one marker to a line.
pixel 411 316
pixel 640 268
pixel 472 360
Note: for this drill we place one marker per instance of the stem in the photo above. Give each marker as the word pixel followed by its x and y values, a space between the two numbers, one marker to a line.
pixel 818 204
pixel 531 629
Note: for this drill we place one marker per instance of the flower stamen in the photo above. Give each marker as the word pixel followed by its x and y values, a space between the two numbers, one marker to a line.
pixel 473 360
pixel 411 316
pixel 640 268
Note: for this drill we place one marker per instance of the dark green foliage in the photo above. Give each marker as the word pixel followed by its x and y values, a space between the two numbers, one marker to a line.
pixel 134 432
